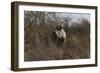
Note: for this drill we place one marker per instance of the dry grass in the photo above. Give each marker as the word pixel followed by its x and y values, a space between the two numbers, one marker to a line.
pixel 39 44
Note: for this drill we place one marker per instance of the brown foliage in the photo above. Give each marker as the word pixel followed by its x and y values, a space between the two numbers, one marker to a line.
pixel 40 46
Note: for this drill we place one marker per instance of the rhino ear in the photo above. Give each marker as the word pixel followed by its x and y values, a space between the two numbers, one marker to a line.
pixel 62 25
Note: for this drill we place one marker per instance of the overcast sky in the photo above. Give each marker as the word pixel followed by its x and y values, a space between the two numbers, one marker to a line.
pixel 75 16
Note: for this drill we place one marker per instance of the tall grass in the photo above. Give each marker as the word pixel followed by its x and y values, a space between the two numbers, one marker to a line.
pixel 39 43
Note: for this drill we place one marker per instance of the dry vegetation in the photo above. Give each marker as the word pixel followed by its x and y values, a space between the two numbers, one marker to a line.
pixel 39 43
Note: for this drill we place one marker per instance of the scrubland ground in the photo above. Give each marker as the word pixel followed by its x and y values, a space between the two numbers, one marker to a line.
pixel 39 45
